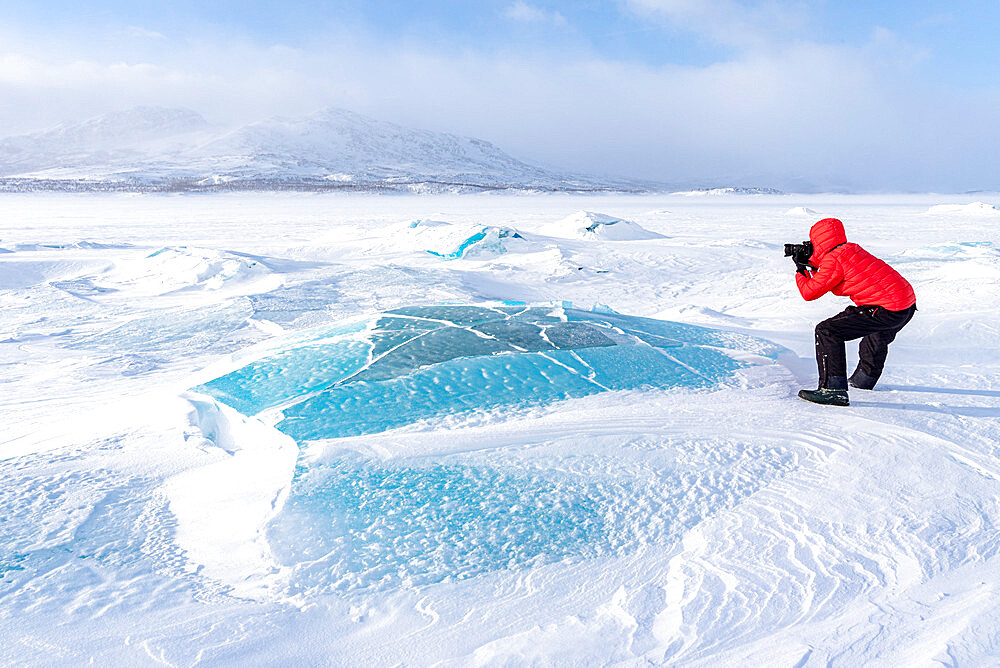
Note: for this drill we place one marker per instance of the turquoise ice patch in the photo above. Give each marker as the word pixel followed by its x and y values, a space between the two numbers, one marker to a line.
pixel 425 362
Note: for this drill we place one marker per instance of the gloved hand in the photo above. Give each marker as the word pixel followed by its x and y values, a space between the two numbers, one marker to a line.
pixel 801 260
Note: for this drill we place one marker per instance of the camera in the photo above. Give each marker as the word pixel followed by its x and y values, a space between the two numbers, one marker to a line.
pixel 800 252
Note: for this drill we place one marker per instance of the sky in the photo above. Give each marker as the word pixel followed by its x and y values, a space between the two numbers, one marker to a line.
pixel 811 95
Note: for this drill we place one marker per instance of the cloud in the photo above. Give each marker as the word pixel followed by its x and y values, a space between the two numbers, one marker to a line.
pixel 522 12
pixel 731 23
pixel 142 33
pixel 22 70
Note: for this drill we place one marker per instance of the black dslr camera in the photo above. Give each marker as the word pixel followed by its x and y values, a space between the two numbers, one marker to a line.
pixel 800 254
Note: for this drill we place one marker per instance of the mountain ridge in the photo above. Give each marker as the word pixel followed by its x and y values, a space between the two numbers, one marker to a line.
pixel 168 149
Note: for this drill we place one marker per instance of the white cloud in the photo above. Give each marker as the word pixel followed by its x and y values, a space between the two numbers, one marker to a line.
pixel 21 70
pixel 524 13
pixel 142 33
pixel 749 26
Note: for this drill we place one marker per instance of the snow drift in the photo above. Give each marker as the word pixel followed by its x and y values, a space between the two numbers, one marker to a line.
pixel 800 211
pixel 592 226
pixel 173 268
pixel 222 508
pixel 979 209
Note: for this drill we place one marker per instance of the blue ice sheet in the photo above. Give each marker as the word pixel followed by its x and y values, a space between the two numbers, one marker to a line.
pixel 422 362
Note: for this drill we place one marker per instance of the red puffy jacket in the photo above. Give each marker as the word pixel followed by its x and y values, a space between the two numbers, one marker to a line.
pixel 848 269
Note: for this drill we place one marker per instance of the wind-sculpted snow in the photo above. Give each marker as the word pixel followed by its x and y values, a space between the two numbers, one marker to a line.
pixel 977 251
pixel 974 209
pixel 800 211
pixel 363 524
pixel 76 245
pixel 293 304
pixel 965 273
pixel 494 514
pixel 170 332
pixel 184 268
pixel 599 226
pixel 424 362
pixel 138 271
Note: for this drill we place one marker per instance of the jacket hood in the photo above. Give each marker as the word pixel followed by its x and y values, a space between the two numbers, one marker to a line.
pixel 825 236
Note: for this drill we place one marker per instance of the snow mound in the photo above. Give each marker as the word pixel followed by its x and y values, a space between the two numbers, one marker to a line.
pixel 591 226
pixel 17 273
pixel 424 223
pixel 427 362
pixel 243 490
pixel 74 245
pixel 973 209
pixel 800 211
pixel 963 269
pixel 175 268
pixel 959 250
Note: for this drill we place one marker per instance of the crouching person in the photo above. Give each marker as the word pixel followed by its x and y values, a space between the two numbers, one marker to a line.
pixel 884 300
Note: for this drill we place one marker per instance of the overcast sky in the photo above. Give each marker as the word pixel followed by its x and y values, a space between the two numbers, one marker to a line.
pixel 835 94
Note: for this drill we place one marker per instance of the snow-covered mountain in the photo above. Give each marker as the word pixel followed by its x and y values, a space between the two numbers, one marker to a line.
pixel 115 141
pixel 151 148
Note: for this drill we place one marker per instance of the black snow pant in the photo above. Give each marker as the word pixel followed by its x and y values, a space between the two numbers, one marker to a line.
pixel 877 325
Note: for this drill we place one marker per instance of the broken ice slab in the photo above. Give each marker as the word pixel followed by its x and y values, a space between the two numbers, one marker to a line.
pixel 486 242
pixel 414 363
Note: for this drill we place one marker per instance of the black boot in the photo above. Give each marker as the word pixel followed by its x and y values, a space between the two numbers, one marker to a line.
pixel 826 396
pixel 832 392
pixel 862 380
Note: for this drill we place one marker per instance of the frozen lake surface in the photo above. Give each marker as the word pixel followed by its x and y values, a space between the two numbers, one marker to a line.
pixel 420 362
pixel 488 430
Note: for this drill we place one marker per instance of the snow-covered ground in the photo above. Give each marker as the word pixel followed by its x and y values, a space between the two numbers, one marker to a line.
pixel 143 520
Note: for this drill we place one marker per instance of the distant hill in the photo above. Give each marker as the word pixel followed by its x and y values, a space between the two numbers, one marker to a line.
pixel 158 149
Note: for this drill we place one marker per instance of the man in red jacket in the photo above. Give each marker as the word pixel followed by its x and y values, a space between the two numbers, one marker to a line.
pixel 884 300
